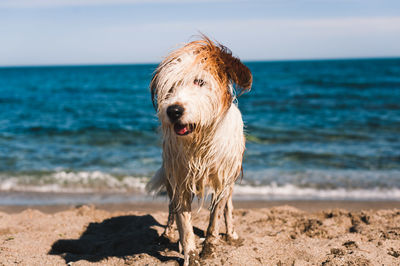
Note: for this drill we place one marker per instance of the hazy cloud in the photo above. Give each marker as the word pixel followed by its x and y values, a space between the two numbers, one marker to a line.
pixel 71 3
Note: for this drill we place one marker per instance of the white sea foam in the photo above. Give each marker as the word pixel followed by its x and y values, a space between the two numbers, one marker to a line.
pixel 79 182
pixel 291 192
pixel 96 181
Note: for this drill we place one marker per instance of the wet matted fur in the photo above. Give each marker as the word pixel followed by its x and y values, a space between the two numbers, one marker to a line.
pixel 193 91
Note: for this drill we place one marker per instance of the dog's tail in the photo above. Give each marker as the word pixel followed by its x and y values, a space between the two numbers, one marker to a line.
pixel 157 182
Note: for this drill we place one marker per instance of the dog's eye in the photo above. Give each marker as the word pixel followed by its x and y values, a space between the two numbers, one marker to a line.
pixel 199 82
pixel 169 93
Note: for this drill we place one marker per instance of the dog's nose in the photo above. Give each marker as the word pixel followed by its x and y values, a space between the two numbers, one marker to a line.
pixel 174 112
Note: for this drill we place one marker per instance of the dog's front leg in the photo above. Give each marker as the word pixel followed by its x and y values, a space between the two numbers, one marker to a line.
pixel 231 235
pixel 213 228
pixel 186 235
pixel 169 229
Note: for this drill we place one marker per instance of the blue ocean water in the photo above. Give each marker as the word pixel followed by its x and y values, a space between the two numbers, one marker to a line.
pixel 314 129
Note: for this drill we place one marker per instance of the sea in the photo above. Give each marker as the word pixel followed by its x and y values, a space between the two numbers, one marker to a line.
pixel 315 130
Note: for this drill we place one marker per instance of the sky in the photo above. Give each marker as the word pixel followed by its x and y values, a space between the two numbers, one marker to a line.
pixel 58 32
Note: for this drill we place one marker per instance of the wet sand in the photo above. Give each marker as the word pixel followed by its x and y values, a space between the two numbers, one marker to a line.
pixel 161 205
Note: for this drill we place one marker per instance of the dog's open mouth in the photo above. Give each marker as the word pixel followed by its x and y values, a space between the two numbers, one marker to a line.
pixel 183 129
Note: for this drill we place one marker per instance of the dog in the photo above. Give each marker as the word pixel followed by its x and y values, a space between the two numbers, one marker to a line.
pixel 194 91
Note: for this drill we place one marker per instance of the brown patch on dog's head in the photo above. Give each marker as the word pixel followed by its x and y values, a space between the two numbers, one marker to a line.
pixel 218 61
pixel 223 66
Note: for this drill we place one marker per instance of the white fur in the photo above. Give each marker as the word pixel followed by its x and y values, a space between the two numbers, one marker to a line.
pixel 209 158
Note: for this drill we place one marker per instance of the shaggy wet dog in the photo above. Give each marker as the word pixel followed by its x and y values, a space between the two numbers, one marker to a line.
pixel 194 91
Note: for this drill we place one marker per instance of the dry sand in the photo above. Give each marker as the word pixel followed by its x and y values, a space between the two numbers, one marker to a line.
pixel 313 233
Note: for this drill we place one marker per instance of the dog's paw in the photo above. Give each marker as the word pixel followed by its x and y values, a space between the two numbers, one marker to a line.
pixel 166 239
pixel 194 258
pixel 234 240
pixel 209 248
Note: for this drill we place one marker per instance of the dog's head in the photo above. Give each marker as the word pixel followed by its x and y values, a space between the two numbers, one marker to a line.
pixel 193 87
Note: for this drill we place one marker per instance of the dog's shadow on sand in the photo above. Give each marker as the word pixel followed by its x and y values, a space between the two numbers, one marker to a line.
pixel 121 237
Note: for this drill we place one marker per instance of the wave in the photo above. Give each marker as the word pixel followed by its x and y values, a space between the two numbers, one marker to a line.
pixel 99 182
pixel 292 192
pixel 72 182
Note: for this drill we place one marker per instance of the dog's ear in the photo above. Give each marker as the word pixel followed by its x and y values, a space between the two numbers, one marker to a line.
pixel 236 70
pixel 153 89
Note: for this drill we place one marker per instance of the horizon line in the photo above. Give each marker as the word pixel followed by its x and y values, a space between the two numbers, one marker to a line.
pixel 245 61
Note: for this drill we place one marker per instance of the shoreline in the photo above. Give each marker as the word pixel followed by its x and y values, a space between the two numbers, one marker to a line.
pixel 161 204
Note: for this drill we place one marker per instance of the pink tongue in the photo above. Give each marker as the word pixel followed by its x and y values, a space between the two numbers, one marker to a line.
pixel 182 131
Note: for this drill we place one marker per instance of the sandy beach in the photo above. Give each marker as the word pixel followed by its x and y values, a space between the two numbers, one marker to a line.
pixel 272 233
